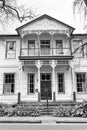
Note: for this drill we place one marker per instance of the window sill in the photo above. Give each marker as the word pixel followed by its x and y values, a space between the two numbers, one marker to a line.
pixel 62 93
pixel 10 58
pixel 31 94
pixel 9 94
pixel 81 92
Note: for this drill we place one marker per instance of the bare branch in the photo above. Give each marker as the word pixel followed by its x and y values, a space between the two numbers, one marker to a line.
pixel 10 10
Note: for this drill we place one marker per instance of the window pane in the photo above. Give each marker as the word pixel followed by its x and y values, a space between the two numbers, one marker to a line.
pixel 61 83
pixel 8 83
pixel 30 83
pixel 10 49
pixel 59 47
pixel 81 83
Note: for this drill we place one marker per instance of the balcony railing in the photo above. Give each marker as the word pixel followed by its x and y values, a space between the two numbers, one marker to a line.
pixel 45 52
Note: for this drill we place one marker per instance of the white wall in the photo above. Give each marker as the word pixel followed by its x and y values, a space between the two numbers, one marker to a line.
pixel 9 66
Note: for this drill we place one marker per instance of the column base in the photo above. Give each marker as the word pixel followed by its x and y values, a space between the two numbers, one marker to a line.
pixel 19 98
pixel 74 96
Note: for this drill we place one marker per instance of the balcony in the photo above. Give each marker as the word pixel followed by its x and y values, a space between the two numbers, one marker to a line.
pixel 44 53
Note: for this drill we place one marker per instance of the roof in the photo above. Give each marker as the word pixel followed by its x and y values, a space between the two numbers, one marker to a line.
pixel 80 34
pixel 44 16
pixel 9 35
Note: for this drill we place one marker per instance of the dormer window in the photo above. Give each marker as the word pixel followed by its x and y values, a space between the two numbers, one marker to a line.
pixel 10 49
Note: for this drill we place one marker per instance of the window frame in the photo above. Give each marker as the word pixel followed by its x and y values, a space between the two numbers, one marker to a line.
pixel 77 43
pixel 58 48
pixel 7 50
pixel 85 83
pixel 45 48
pixel 63 83
pixel 28 84
pixel 8 93
pixel 30 52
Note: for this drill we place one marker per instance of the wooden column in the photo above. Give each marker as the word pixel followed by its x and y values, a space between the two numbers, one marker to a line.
pixel 20 83
pixel 69 38
pixel 53 82
pixel 39 83
pixel 52 51
pixel 73 84
pixel 21 46
pixel 38 43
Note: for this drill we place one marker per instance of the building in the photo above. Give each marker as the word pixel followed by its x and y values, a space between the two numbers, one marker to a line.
pixel 43 60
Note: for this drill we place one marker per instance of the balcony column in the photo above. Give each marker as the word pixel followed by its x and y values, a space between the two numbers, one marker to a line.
pixel 73 83
pixel 38 79
pixel 53 81
pixel 38 34
pixel 52 43
pixel 20 83
pixel 69 38
pixel 21 45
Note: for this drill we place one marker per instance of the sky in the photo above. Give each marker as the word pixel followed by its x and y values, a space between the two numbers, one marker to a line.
pixel 59 9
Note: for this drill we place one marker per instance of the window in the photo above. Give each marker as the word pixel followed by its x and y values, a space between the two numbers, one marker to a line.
pixel 78 49
pixel 31 84
pixel 59 47
pixel 61 83
pixel 9 84
pixel 81 82
pixel 31 47
pixel 45 47
pixel 10 49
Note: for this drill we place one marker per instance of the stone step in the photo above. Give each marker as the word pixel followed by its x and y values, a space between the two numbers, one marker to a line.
pixel 51 104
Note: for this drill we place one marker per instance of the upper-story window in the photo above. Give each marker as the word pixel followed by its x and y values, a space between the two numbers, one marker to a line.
pixel 45 47
pixel 78 49
pixel 31 47
pixel 59 47
pixel 11 49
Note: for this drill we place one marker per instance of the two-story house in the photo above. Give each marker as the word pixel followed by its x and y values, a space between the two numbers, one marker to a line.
pixel 38 62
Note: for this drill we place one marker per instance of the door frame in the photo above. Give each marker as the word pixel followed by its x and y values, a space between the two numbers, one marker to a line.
pixel 51 85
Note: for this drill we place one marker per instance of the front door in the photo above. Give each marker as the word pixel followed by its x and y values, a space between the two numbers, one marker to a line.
pixel 46 86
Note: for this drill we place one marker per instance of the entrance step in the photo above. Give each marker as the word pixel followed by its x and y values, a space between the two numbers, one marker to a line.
pixel 48 121
pixel 51 104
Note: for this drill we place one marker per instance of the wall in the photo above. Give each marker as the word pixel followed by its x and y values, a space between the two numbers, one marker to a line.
pixel 9 66
pixel 79 64
pixel 24 95
pixel 67 83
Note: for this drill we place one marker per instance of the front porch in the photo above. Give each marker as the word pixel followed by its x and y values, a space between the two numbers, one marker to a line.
pixel 44 79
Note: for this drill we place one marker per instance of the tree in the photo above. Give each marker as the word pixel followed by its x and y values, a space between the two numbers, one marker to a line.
pixel 10 10
pixel 80 6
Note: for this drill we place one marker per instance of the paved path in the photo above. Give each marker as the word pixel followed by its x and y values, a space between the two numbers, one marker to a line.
pixel 43 127
pixel 43 119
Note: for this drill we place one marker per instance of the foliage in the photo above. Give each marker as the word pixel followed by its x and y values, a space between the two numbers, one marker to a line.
pixel 80 6
pixel 19 111
pixel 10 10
pixel 78 110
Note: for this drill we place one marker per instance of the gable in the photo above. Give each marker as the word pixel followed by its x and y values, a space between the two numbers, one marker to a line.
pixel 45 22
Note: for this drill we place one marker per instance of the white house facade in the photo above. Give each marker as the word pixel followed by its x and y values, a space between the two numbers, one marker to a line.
pixel 44 60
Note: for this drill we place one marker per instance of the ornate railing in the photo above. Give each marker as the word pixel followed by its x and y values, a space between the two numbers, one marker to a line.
pixel 45 52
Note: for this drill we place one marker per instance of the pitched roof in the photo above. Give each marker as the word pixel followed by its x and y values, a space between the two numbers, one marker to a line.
pixel 44 16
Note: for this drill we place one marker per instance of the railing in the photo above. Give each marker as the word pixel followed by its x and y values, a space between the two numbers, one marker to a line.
pixel 45 52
